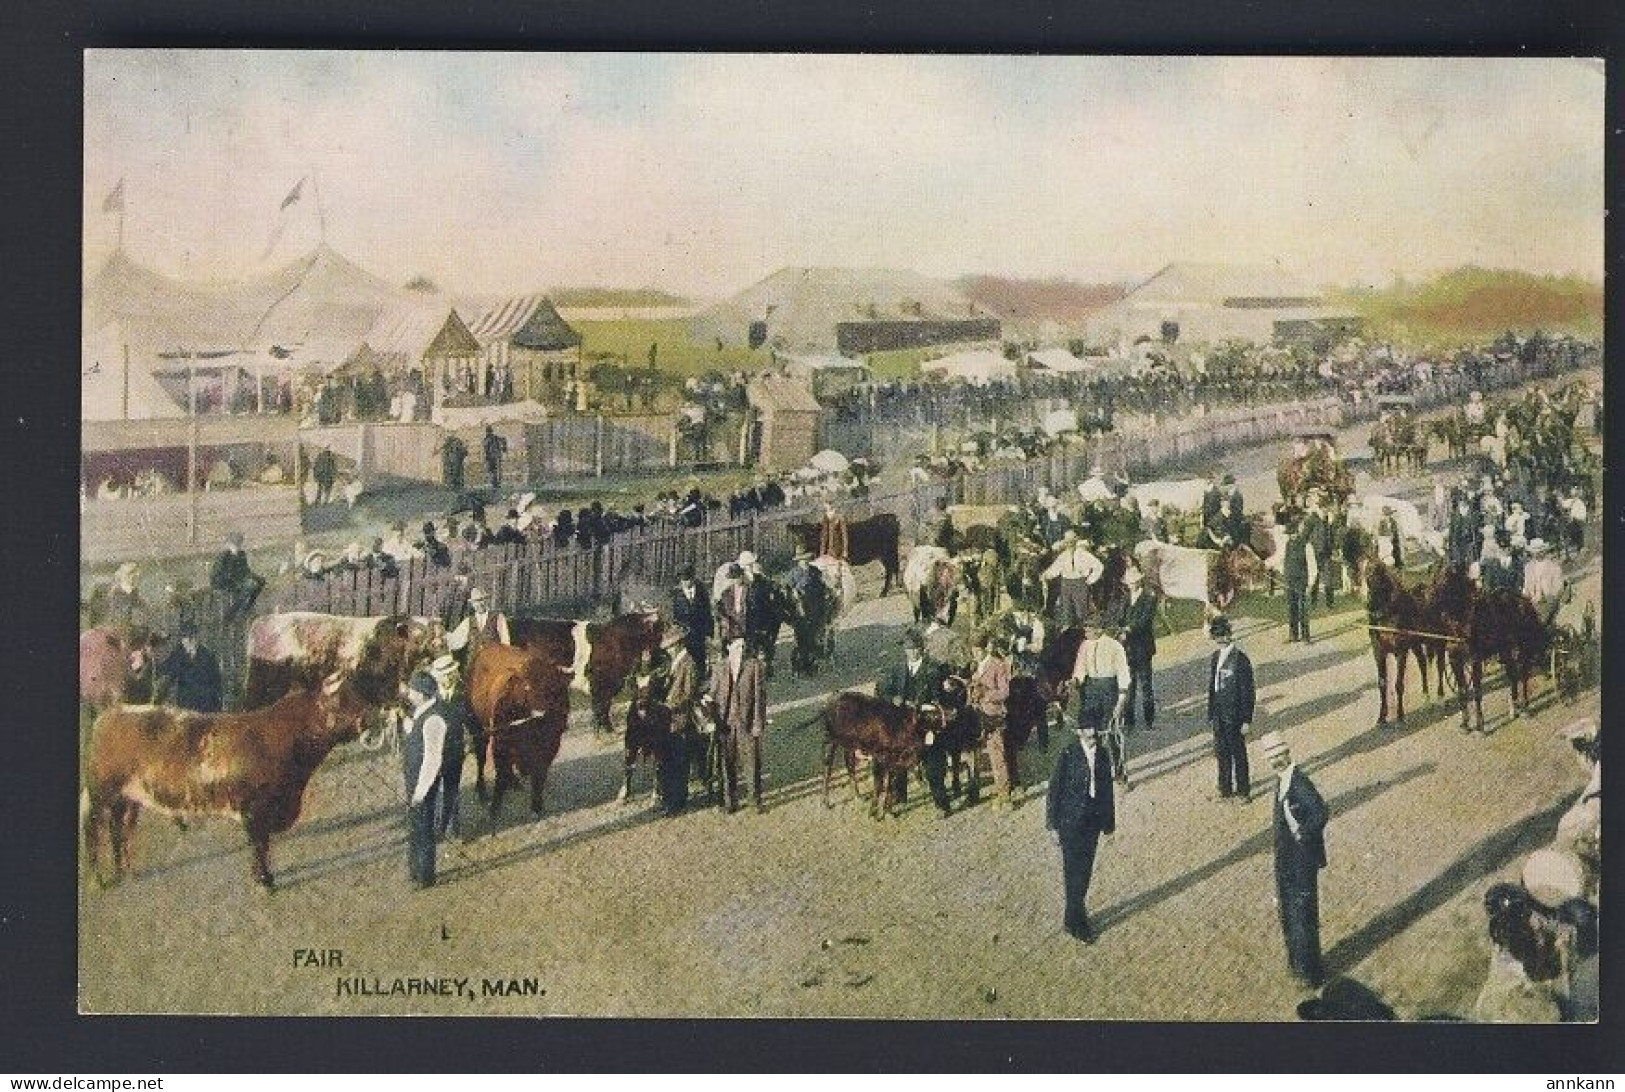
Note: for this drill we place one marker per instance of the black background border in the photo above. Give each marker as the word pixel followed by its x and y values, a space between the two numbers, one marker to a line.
pixel 40 132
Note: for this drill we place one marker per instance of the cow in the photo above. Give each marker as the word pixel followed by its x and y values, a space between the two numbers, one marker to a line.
pixel 932 582
pixel 1211 577
pixel 300 648
pixel 1184 495
pixel 877 538
pixel 103 668
pixel 251 766
pixel 521 703
pixel 594 657
pixel 891 736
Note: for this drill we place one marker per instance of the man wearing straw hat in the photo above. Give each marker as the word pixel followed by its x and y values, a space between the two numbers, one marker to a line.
pixel 1300 854
pixel 460 723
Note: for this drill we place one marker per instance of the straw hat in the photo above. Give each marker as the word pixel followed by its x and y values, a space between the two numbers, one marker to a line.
pixel 1274 744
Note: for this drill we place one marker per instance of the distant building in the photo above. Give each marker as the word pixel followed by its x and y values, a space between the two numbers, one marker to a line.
pixel 784 425
pixel 849 311
pixel 545 355
pixel 1195 302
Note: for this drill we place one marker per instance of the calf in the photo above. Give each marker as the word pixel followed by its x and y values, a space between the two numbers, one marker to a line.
pixel 893 737
pixel 649 728
pixel 252 766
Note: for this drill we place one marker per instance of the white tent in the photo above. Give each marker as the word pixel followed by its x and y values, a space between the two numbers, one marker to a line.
pixel 1059 360
pixel 829 461
pixel 976 365
pixel 102 391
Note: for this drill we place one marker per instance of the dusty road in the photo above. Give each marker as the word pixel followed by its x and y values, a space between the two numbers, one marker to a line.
pixel 610 910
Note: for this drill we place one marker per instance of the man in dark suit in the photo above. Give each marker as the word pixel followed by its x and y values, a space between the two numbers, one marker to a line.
pixel 1298 571
pixel 191 673
pixel 1139 640
pixel 1080 809
pixel 1230 701
pixel 915 682
pixel 1300 854
pixel 691 610
pixel 233 579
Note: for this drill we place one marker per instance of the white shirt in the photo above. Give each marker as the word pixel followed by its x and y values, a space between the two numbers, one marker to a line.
pixel 1076 563
pixel 434 741
pixel 1281 788
pixel 1224 654
pixel 1093 756
pixel 1542 579
pixel 1101 657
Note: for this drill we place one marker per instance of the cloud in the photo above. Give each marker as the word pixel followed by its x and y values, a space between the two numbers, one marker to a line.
pixel 704 172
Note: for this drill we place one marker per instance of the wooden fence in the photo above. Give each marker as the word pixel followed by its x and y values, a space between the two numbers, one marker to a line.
pixel 642 563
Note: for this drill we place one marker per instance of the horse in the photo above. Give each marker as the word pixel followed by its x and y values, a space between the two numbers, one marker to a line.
pixel 1398 619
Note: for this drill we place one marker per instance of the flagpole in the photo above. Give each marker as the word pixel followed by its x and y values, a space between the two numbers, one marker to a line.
pixel 321 213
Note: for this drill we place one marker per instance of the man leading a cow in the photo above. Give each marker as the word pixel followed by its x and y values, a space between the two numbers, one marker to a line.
pixel 913 684
pixel 424 747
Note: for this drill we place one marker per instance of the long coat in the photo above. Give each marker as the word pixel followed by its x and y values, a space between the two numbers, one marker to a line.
pixel 833 537
pixel 194 681
pixel 1299 857
pixel 1230 695
pixel 741 703
pixel 1071 811
pixel 694 615
pixel 915 690
pixel 683 686
pixel 1139 627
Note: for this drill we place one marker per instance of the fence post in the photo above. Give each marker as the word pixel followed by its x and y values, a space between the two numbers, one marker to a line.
pixel 598 446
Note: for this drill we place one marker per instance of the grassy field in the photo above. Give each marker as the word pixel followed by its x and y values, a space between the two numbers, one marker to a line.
pixel 1470 304
pixel 676 354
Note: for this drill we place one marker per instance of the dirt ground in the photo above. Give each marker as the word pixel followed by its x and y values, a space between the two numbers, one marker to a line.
pixel 609 909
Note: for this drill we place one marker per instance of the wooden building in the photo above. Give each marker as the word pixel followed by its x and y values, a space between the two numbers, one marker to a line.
pixel 783 429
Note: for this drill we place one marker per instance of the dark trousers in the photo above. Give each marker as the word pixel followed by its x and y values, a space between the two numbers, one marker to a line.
pixel 1098 701
pixel 1231 750
pixel 1297 613
pixel 672 772
pixel 1077 868
pixel 449 787
pixel 494 472
pixel 1071 602
pixel 1140 686
pixel 241 598
pixel 730 743
pixel 1300 926
pixel 420 837
pixel 1325 579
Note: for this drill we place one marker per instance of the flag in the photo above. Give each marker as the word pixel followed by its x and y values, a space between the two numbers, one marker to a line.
pixel 114 201
pixel 293 194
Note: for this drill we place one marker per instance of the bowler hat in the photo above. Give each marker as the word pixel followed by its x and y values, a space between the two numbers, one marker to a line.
pixel 1220 627
pixel 423 683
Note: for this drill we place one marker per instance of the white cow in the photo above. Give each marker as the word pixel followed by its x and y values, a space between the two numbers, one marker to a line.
pixel 918 569
pixel 1178 572
pixel 1185 495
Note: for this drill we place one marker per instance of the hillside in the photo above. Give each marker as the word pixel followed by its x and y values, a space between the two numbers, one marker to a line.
pixel 1059 300
pixel 1473 304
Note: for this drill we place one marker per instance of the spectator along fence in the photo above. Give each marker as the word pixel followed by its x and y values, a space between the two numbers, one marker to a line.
pixel 639 565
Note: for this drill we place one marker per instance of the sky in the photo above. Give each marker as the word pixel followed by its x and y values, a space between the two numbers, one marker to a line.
pixel 702 173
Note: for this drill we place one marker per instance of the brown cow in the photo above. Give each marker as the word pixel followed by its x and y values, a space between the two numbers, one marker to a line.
pixel 891 736
pixel 522 703
pixel 612 653
pixel 301 648
pixel 103 665
pixel 878 538
pixel 252 766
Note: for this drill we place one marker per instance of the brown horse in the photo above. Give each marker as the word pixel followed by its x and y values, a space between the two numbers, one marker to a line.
pixel 1501 624
pixel 1399 620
